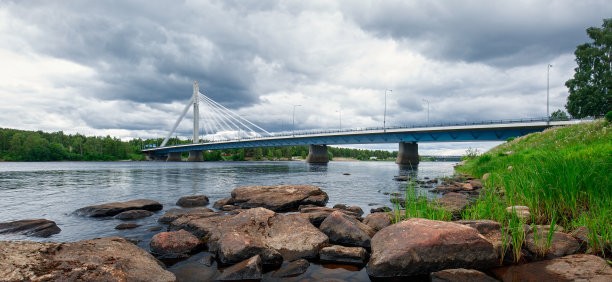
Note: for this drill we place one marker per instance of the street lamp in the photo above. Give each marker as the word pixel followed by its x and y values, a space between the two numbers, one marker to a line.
pixel 385 114
pixel 425 100
pixel 547 91
pixel 293 121
pixel 340 112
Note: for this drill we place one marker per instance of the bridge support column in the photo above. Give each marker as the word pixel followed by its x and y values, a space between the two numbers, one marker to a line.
pixel 195 156
pixel 408 153
pixel 174 157
pixel 317 154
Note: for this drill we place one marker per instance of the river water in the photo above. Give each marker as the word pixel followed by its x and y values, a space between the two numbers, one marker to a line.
pixel 53 190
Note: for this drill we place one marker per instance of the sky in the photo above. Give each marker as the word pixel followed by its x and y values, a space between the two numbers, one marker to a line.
pixel 126 68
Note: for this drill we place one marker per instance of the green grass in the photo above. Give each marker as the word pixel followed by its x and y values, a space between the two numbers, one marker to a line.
pixel 561 174
pixel 416 204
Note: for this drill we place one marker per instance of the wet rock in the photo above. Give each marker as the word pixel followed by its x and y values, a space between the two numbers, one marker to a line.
pixel 420 246
pixel 124 226
pixel 105 259
pixel 401 178
pixel 345 230
pixel 230 208
pixel 455 203
pixel 225 201
pixel 561 244
pixel 111 209
pixel 173 214
pixel 207 260
pixel 280 197
pixel 579 267
pixel 133 214
pixel 447 188
pixel 155 229
pixel 174 244
pixel 31 227
pixel 381 209
pixel 460 274
pixel 294 268
pixel 192 201
pixel 340 206
pixel 476 184
pixel 521 212
pixel 249 269
pixel 378 220
pixel 344 255
pixel 346 173
pixel 316 214
pixel 295 237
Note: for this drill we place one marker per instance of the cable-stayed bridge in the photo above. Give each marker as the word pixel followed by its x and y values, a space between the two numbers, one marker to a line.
pixel 227 130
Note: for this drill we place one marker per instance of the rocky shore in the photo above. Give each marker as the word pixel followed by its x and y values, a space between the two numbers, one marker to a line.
pixel 275 232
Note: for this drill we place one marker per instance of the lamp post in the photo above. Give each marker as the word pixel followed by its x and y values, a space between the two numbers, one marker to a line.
pixel 340 112
pixel 293 121
pixel 385 114
pixel 425 100
pixel 547 92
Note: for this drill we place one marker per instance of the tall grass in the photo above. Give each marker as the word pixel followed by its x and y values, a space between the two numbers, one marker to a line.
pixel 416 204
pixel 562 174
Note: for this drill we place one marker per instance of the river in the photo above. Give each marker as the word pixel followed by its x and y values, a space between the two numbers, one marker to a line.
pixel 53 190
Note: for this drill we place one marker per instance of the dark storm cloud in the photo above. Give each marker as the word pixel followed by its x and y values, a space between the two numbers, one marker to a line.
pixel 144 52
pixel 498 33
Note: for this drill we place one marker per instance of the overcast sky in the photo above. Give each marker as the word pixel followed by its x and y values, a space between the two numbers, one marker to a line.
pixel 126 68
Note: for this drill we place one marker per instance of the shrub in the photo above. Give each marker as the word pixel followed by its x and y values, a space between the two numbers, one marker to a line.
pixel 609 116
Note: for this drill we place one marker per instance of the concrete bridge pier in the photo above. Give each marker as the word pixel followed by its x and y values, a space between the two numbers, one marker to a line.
pixel 317 154
pixel 195 156
pixel 408 153
pixel 174 157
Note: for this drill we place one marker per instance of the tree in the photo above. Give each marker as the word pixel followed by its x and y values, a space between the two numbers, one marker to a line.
pixel 590 88
pixel 559 115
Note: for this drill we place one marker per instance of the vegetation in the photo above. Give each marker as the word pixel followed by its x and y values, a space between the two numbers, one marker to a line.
pixel 591 87
pixel 562 175
pixel 416 204
pixel 559 115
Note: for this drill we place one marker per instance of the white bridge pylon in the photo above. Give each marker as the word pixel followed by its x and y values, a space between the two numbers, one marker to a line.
pixel 218 122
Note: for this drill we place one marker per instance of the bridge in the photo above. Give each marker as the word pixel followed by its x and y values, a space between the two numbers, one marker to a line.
pixel 237 132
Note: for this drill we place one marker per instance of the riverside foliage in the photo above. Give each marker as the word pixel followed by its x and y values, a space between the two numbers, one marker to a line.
pixel 561 174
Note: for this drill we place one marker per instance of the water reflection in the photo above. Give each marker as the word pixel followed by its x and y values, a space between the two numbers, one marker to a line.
pixel 317 167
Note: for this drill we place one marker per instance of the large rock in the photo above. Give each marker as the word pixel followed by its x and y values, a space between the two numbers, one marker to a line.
pixel 111 209
pixel 32 227
pixel 460 274
pixel 192 201
pixel 378 220
pixel 490 229
pixel 223 202
pixel 173 214
pixel 579 267
pixel 133 214
pixel 257 231
pixel 344 255
pixel 105 259
pixel 561 244
pixel 175 244
pixel 317 214
pixel 345 230
pixel 420 246
pixel 249 269
pixel 454 203
pixel 280 197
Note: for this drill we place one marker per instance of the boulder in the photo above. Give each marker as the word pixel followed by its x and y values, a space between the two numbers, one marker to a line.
pixel 192 201
pixel 460 274
pixel 581 234
pixel 317 214
pixel 294 268
pixel 249 269
pixel 419 246
pixel 378 220
pixel 454 203
pixel 223 202
pixel 344 255
pixel 175 244
pixel 31 227
pixel 133 214
pixel 579 267
pixel 280 197
pixel 173 214
pixel 124 226
pixel 561 244
pixel 521 212
pixel 345 230
pixel 490 229
pixel 112 209
pixel 105 259
pixel 257 231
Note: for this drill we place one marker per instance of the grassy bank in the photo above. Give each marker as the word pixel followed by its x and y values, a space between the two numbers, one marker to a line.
pixel 562 175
